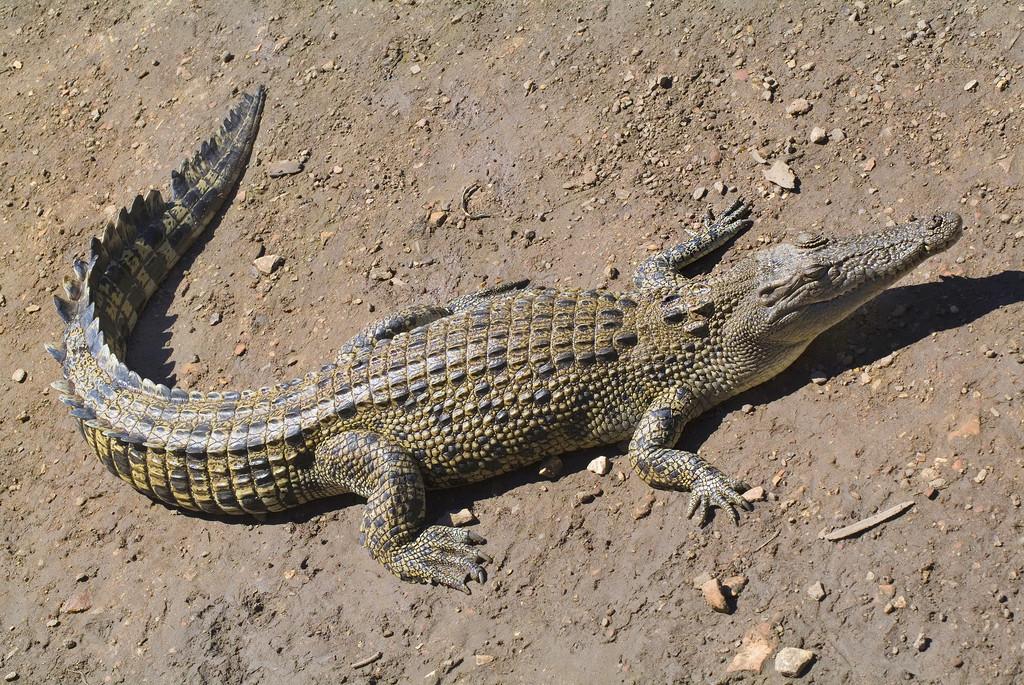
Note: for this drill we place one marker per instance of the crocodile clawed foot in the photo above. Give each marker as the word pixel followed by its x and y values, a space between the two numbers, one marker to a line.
pixel 714 489
pixel 446 556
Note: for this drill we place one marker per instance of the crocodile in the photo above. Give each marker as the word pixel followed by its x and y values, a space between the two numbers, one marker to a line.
pixel 438 396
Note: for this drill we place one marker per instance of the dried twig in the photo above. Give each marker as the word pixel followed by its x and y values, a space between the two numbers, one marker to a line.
pixel 367 660
pixel 466 195
pixel 868 523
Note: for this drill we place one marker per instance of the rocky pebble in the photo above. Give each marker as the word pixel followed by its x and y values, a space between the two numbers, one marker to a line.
pixel 463 517
pixel 77 603
pixel 551 468
pixel 793 661
pixel 601 466
pixel 715 597
pixel 755 494
pixel 268 263
pixel 798 107
pixel 19 375
pixel 781 175
pixel 284 167
pixel 816 591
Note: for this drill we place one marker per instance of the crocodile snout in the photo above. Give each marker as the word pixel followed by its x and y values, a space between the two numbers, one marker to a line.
pixel 942 230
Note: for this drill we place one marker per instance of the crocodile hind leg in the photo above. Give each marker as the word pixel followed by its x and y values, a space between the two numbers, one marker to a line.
pixel 392 527
pixel 407 319
pixel 659 465
pixel 662 269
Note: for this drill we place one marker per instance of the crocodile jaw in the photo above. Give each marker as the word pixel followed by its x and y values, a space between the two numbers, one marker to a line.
pixel 809 286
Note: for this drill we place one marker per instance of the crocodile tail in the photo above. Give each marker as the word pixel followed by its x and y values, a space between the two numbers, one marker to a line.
pixel 106 293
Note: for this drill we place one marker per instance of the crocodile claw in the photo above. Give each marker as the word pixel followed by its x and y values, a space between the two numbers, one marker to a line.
pixel 714 489
pixel 447 556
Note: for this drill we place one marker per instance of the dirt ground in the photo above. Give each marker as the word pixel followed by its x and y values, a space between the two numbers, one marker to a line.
pixel 597 132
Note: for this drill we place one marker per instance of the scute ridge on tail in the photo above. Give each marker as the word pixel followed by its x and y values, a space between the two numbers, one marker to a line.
pixel 107 291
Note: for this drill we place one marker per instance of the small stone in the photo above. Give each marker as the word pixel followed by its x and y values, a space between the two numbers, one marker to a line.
pixel 886 361
pixel 483 659
pixel 284 167
pixel 922 642
pixel 588 178
pixel 381 273
pixel 588 496
pixel 415 69
pixel 816 591
pixel 971 427
pixel 601 466
pixel 755 494
pixel 11 677
pixel 900 602
pixel 818 136
pixel 268 263
pixel 437 217
pixel 529 87
pixel 699 580
pixel 423 123
pixel 77 603
pixel 980 478
pixel 643 509
pixel 32 308
pixel 665 81
pixel 781 175
pixel 240 349
pixel 699 192
pixel 463 517
pixel 216 318
pixel 757 645
pixel 735 584
pixel 19 375
pixel 869 165
pixel 713 595
pixel 611 273
pixel 747 409
pixel 226 56
pixel 551 468
pixel 798 107
pixel 837 134
pixel 792 661
pixel 970 85
pixel 819 380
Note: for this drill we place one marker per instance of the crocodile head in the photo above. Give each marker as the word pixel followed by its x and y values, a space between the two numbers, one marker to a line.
pixel 803 288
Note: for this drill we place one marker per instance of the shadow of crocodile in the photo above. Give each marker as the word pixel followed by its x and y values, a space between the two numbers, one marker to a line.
pixel 868 335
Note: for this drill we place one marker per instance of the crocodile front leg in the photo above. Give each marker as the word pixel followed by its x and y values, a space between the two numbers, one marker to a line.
pixel 653 458
pixel 392 527
pixel 662 269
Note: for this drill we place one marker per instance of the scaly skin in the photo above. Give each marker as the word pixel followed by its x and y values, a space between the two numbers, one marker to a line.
pixel 439 396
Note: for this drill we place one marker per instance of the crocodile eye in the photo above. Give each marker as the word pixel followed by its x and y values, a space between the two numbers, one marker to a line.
pixel 808 241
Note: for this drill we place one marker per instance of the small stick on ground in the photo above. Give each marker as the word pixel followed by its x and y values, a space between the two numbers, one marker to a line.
pixel 366 661
pixel 466 195
pixel 765 543
pixel 868 523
